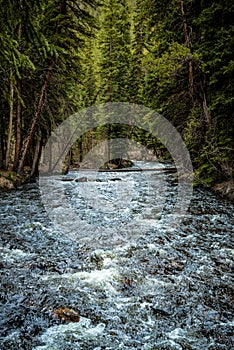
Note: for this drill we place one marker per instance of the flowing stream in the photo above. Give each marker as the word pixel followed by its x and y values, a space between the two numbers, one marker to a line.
pixel 122 279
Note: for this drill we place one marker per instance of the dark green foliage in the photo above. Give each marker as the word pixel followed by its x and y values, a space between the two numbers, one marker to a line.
pixel 203 111
pixel 36 37
pixel 114 43
pixel 175 57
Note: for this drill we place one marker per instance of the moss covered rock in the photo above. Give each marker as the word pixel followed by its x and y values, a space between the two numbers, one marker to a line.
pixel 6 184
pixel 9 180
pixel 118 163
pixel 225 189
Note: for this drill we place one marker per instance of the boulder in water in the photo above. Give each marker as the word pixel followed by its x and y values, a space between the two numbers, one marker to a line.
pixel 66 314
pixel 118 163
pixel 81 179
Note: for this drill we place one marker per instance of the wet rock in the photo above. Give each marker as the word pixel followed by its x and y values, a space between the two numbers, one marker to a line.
pixel 225 189
pixel 126 283
pixel 98 258
pixel 118 163
pixel 115 179
pixel 174 266
pixel 110 166
pixel 81 179
pixel 66 179
pixel 66 314
pixel 6 184
pixel 161 312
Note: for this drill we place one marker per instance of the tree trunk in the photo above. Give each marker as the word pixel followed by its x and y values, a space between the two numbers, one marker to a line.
pixel 62 11
pixel 35 118
pixel 18 127
pixel 2 161
pixel 188 45
pixel 36 158
pixel 19 104
pixel 190 63
pixel 80 148
pixel 206 110
pixel 8 149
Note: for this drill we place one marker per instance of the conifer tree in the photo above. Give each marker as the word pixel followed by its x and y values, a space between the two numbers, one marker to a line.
pixel 17 32
pixel 65 24
pixel 138 48
pixel 114 42
pixel 114 60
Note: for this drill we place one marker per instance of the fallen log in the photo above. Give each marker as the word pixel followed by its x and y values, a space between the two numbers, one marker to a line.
pixel 138 169
pixel 124 170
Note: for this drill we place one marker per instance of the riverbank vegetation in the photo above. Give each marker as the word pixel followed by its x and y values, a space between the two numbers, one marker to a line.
pixel 60 56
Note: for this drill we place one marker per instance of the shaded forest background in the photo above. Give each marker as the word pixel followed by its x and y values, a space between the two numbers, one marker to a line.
pixel 176 57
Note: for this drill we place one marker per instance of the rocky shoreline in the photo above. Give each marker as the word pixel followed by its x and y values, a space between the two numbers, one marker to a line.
pixel 9 180
pixel 225 189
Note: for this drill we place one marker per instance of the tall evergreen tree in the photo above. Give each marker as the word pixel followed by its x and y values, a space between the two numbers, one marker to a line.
pixel 114 42
pixel 212 36
pixel 189 77
pixel 65 23
pixel 138 49
pixel 17 32
pixel 114 60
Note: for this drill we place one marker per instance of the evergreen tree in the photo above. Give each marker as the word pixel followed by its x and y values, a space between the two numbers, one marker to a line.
pixel 64 23
pixel 189 78
pixel 18 32
pixel 114 43
pixel 175 57
pixel 114 61
pixel 138 49
pixel 215 45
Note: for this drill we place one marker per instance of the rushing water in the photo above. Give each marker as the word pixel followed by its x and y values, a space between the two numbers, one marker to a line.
pixel 153 288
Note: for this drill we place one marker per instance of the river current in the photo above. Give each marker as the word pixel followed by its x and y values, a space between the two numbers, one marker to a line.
pixel 123 279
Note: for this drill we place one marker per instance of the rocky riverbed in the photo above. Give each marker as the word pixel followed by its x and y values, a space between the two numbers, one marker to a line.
pixel 154 288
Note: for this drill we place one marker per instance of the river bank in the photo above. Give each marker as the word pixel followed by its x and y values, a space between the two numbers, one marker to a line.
pixel 10 180
pixel 225 189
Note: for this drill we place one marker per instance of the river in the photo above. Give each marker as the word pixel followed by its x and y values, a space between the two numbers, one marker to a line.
pixel 123 279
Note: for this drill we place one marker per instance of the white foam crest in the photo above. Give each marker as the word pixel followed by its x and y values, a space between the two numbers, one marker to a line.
pixel 61 333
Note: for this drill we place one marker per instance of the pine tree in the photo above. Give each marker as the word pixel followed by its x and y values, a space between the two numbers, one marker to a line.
pixel 114 61
pixel 65 24
pixel 114 42
pixel 214 23
pixel 17 30
pixel 138 49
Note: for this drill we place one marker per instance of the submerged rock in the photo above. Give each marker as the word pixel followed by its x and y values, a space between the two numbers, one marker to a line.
pixel 98 258
pixel 66 314
pixel 158 311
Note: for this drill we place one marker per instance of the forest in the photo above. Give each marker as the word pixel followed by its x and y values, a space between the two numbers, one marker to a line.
pixel 60 56
pixel 132 253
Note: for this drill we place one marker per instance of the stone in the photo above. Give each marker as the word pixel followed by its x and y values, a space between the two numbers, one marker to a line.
pixel 81 179
pixel 160 312
pixel 118 163
pixel 6 184
pixel 66 314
